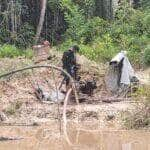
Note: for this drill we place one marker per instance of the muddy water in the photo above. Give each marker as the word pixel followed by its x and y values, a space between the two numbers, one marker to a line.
pixel 48 137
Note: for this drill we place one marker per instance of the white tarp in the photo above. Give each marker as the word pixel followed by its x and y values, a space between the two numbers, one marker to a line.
pixel 119 74
pixel 127 71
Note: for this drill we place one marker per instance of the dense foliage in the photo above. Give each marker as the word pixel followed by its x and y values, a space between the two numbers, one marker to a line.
pixel 99 30
pixel 100 39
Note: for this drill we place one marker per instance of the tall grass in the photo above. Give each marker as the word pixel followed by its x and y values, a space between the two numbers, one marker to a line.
pixel 11 51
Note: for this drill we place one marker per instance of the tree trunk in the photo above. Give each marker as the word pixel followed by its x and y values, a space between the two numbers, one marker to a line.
pixel 12 18
pixel 41 20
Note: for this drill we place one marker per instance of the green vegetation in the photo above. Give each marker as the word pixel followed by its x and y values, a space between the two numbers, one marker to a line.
pixel 12 51
pixel 93 25
pixel 146 56
pixel 100 39
pixel 9 51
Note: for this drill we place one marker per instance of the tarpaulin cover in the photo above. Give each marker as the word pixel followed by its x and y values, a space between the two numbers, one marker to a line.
pixel 117 76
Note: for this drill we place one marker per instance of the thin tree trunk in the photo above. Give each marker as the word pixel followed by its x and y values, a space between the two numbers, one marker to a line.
pixel 41 21
pixel 12 18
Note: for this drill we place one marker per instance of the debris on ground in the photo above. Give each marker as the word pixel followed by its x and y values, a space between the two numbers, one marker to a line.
pixel 3 117
pixel 19 88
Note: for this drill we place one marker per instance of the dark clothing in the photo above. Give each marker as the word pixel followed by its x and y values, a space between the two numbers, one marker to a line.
pixel 69 65
pixel 69 59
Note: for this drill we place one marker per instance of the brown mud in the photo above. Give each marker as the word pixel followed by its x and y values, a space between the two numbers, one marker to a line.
pixel 92 125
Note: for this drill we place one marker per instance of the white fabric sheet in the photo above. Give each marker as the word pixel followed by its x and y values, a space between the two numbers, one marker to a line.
pixel 127 70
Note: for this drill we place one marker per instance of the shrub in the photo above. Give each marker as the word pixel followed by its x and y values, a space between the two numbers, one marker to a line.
pixel 66 45
pixel 146 23
pixel 22 38
pixel 81 28
pixel 100 50
pixel 104 49
pixel 10 51
pixel 100 39
pixel 75 19
pixel 28 53
pixel 146 56
pixel 25 36
pixel 92 29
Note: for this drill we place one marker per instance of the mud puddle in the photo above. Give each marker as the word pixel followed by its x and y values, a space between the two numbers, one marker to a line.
pixel 85 136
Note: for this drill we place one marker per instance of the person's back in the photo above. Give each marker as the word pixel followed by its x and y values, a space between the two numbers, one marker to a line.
pixel 69 63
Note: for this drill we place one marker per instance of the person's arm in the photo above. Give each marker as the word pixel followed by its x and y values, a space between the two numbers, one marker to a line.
pixel 64 61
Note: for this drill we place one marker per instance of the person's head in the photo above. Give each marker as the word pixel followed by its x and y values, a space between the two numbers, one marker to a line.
pixel 75 48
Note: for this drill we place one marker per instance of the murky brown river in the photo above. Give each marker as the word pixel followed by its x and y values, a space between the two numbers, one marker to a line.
pixel 85 137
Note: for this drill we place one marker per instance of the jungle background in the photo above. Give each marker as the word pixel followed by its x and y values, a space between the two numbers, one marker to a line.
pixel 100 27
